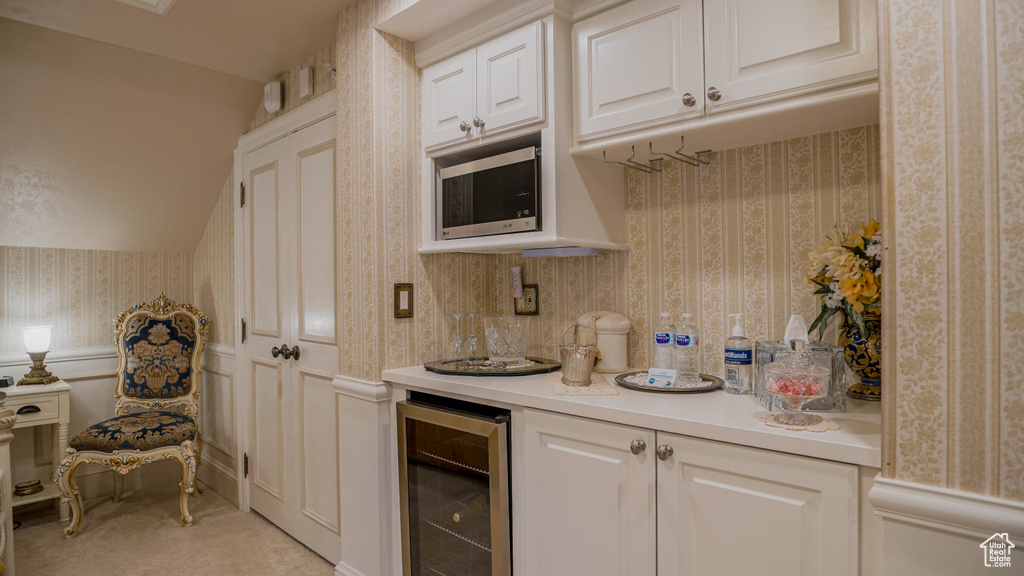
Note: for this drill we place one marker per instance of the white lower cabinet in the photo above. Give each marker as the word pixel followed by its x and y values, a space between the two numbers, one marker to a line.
pixel 725 509
pixel 589 501
pixel 597 501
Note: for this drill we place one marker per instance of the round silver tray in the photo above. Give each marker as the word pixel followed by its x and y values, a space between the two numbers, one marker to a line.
pixel 485 368
pixel 712 383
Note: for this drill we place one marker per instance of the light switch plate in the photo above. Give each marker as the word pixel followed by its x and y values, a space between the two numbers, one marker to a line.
pixel 403 300
pixel 528 305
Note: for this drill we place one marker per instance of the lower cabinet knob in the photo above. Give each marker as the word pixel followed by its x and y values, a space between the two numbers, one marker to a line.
pixel 714 94
pixel 689 101
pixel 665 452
pixel 637 446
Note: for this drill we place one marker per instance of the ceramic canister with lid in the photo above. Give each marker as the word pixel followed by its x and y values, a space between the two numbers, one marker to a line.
pixel 612 335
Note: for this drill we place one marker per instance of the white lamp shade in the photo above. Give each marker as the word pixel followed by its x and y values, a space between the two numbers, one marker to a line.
pixel 37 338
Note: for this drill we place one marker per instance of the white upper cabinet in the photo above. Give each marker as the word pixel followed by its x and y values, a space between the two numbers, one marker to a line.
pixel 654 62
pixel 639 63
pixel 494 87
pixel 760 50
pixel 510 80
pixel 449 99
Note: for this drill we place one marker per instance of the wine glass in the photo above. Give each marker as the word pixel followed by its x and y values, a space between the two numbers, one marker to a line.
pixel 455 352
pixel 472 345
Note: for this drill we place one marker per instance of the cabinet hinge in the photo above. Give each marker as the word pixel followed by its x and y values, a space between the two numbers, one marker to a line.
pixel 243 330
pixel 245 466
pixel 242 187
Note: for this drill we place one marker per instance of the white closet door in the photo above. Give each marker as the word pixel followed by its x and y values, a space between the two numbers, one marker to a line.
pixel 293 478
pixel 759 51
pixel 269 223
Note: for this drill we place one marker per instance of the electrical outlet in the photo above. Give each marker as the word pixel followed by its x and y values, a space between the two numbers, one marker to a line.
pixel 528 304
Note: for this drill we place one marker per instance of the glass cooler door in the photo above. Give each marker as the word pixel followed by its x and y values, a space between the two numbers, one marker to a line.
pixel 453 470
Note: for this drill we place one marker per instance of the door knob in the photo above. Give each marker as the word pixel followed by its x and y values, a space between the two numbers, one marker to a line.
pixel 637 446
pixel 464 126
pixel 285 351
pixel 665 452
pixel 689 101
pixel 714 95
pixel 478 122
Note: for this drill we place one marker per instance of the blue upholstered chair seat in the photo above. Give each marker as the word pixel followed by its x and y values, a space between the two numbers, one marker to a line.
pixel 142 431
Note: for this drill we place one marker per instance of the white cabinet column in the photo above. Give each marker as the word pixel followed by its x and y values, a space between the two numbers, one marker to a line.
pixel 365 451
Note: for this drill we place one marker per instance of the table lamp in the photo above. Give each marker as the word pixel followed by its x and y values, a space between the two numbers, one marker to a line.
pixel 37 344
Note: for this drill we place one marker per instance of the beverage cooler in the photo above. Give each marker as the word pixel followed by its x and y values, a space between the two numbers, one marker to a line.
pixel 454 487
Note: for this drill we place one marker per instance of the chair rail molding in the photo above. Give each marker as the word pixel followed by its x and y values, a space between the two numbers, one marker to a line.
pixel 952 511
pixel 926 530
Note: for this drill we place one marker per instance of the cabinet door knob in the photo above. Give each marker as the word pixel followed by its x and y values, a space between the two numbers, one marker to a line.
pixel 637 446
pixel 665 452
pixel 295 351
pixel 478 122
pixel 464 126
pixel 689 101
pixel 275 351
pixel 714 95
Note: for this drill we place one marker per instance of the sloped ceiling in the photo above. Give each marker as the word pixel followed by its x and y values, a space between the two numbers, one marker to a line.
pixel 105 147
pixel 254 39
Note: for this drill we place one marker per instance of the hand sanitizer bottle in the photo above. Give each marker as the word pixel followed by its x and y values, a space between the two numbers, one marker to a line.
pixel 739 357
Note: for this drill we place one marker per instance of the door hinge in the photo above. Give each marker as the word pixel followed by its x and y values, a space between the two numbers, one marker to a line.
pixel 243 330
pixel 242 186
pixel 245 466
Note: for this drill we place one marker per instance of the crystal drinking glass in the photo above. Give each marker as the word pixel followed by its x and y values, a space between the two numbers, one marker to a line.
pixel 506 340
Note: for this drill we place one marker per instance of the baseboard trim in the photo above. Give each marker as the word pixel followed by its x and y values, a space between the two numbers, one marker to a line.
pixel 949 511
pixel 220 479
pixel 343 569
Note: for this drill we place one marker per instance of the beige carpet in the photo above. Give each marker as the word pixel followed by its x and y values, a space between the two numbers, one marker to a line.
pixel 143 536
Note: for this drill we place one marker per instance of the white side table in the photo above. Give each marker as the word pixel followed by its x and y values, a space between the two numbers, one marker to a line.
pixel 43 405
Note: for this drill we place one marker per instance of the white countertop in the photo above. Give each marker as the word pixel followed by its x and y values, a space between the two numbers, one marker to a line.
pixel 713 415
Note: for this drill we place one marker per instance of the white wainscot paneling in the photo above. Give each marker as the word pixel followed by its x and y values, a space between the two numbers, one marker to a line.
pixel 219 467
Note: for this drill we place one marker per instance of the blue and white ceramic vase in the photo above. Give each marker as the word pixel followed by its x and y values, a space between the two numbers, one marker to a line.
pixel 864 355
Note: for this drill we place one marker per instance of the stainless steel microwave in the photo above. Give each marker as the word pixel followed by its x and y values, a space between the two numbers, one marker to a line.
pixel 494 195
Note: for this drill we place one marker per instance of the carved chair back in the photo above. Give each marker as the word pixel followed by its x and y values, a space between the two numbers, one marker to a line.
pixel 159 344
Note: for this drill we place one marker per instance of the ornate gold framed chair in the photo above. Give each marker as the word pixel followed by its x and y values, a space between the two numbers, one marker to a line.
pixel 158 347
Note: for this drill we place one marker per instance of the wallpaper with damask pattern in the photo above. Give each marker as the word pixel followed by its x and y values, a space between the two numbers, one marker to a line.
pixel 214 269
pixel 955 120
pixel 80 292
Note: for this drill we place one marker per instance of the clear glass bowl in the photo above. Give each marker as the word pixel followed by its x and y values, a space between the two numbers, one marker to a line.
pixel 794 381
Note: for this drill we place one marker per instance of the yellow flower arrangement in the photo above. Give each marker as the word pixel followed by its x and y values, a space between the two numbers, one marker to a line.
pixel 846 269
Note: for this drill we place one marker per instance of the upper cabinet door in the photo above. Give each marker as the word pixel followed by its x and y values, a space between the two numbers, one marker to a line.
pixel 510 80
pixel 449 99
pixel 760 50
pixel 638 64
